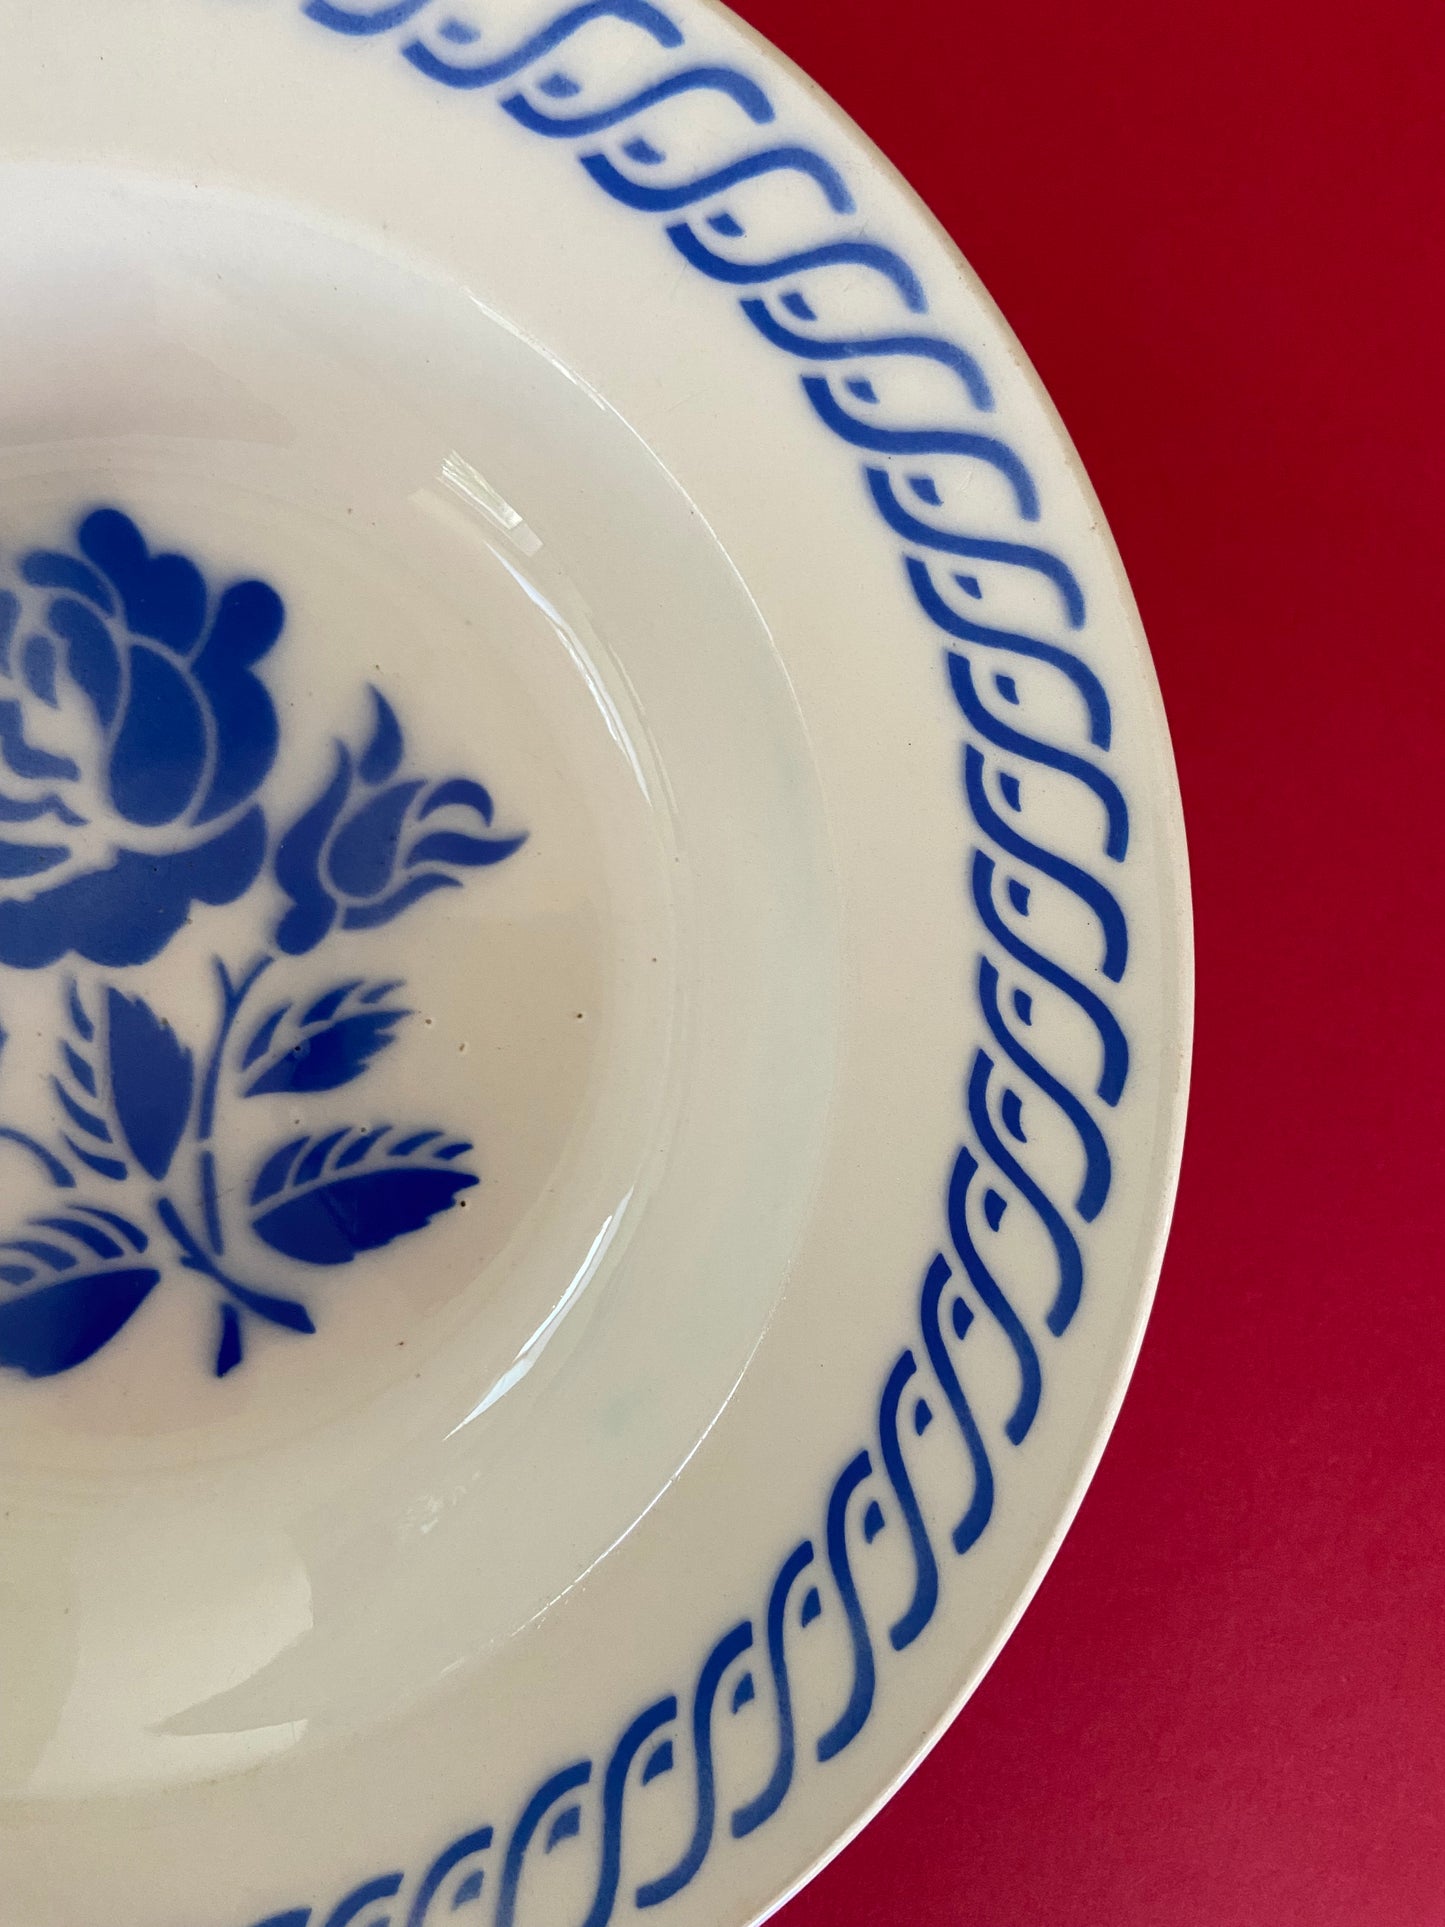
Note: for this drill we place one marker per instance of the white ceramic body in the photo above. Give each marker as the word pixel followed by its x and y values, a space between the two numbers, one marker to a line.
pixel 512 1543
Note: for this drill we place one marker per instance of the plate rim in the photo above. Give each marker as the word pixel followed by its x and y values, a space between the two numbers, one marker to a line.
pixel 858 141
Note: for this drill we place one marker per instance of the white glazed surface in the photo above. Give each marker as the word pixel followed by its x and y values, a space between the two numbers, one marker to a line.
pixel 269 1639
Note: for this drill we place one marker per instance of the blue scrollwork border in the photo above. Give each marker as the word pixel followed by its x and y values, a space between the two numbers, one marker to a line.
pixel 953 574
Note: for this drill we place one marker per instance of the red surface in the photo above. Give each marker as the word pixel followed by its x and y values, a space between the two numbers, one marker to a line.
pixel 1217 229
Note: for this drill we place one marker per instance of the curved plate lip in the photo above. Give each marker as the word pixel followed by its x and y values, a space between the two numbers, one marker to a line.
pixel 867 149
pixel 868 156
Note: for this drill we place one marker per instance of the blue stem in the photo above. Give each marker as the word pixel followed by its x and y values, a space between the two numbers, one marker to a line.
pixel 277 1311
pixel 211 1204
pixel 233 996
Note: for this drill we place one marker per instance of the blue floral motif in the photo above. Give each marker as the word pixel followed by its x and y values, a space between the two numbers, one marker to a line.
pixel 132 720
pixel 372 845
pixel 134 735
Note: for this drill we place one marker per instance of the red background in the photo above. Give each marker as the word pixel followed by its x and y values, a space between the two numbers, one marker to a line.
pixel 1217 228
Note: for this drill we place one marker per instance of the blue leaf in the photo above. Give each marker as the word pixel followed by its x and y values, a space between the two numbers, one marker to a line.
pixel 229 1350
pixel 332 1222
pixel 470 852
pixel 79 1069
pixel 330 1058
pixel 82 1023
pixel 314 1162
pixel 371 916
pixel 106 1167
pixel 59 1326
pixel 132 1233
pixel 359 1149
pixel 327 1006
pixel 458 791
pixel 83 1120
pixel 89 1235
pixel 262 1035
pixel 381 758
pixel 277 1168
pixel 151 1078
pixel 336 1207
pixel 55 1256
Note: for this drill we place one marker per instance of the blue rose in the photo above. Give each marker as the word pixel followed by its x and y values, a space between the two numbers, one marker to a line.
pixel 133 736
pixel 370 846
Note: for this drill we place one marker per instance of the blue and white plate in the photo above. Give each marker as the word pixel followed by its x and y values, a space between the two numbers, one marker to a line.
pixel 594 968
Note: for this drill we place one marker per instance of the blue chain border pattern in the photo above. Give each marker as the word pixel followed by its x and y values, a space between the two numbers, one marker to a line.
pixel 783 300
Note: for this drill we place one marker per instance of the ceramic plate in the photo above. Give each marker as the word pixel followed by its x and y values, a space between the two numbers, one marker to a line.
pixel 593 959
